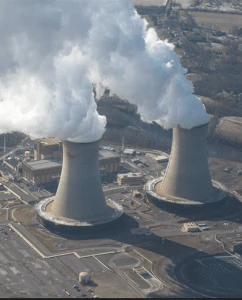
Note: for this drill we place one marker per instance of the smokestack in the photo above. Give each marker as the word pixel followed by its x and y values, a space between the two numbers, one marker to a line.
pixel 80 196
pixel 187 175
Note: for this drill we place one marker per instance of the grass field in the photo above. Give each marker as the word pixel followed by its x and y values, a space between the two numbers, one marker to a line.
pixel 224 22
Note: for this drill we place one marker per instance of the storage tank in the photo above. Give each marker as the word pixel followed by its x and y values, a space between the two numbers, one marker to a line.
pixel 84 278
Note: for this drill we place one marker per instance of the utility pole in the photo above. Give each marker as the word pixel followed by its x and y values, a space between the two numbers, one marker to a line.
pixel 122 144
pixel 4 145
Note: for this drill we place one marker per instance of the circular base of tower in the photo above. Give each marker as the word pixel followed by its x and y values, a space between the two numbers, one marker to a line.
pixel 174 204
pixel 65 226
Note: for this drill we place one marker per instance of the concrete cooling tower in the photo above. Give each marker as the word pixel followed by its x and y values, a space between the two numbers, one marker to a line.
pixel 187 179
pixel 79 203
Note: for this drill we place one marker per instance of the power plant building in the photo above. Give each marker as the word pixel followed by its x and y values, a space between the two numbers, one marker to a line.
pixel 191 227
pixel 48 170
pixel 47 149
pixel 130 179
pixel 109 162
pixel 42 171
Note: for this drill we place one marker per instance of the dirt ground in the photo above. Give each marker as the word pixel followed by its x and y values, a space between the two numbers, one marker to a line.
pixel 150 2
pixel 3 216
pixel 230 128
pixel 24 214
pixel 230 178
pixel 224 22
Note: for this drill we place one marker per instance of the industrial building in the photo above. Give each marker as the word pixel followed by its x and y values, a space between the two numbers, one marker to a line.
pixel 109 162
pixel 161 158
pixel 187 179
pixel 47 149
pixel 130 179
pixel 191 227
pixel 48 170
pixel 79 203
pixel 42 171
pixel 130 152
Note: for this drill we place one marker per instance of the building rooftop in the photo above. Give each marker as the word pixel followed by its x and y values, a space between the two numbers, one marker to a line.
pixel 190 225
pixel 106 154
pixel 12 161
pixel 129 151
pixel 161 157
pixel 49 141
pixel 107 148
pixel 43 164
pixel 130 175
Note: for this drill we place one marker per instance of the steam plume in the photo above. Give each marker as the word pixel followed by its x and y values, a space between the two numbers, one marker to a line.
pixel 52 52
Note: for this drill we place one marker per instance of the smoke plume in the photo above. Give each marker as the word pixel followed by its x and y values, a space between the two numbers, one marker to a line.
pixel 54 51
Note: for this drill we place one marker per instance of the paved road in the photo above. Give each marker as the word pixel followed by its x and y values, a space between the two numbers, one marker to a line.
pixel 22 195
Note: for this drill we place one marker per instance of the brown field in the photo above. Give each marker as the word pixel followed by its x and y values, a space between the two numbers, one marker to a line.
pixel 224 22
pixel 150 2
pixel 3 216
pixel 186 3
pixel 230 128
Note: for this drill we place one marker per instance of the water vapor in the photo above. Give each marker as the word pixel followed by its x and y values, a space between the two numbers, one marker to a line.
pixel 54 51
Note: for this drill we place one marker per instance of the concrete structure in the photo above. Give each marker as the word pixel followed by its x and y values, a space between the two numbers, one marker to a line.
pixel 27 154
pixel 161 158
pixel 187 175
pixel 135 160
pixel 79 200
pixel 109 162
pixel 130 179
pixel 84 278
pixel 11 163
pixel 187 178
pixel 137 194
pixel 42 171
pixel 237 247
pixel 191 227
pixel 130 152
pixel 47 149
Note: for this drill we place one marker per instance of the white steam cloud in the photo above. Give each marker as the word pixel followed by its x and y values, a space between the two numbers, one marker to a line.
pixel 53 51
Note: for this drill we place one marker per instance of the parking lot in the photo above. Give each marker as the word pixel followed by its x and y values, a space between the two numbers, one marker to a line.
pixel 24 274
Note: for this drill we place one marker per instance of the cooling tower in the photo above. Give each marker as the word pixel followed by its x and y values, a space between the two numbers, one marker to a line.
pixel 79 195
pixel 187 178
pixel 187 175
pixel 79 200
